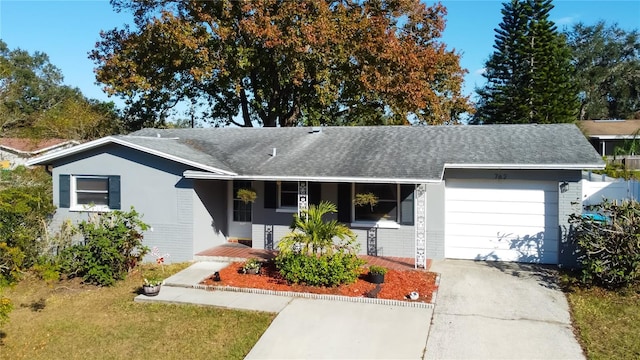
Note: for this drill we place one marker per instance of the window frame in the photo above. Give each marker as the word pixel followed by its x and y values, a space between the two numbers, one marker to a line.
pixel 241 184
pixel 75 206
pixel 382 222
pixel 287 208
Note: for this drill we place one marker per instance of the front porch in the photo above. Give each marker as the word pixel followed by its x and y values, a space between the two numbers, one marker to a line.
pixel 239 252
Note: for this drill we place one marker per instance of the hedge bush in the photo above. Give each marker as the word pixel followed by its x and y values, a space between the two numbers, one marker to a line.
pixel 609 250
pixel 319 252
pixel 26 207
pixel 112 246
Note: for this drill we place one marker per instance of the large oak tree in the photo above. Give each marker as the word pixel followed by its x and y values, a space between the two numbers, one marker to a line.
pixel 283 63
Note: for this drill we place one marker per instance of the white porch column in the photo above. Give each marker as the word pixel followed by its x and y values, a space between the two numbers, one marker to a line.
pixel 303 196
pixel 421 226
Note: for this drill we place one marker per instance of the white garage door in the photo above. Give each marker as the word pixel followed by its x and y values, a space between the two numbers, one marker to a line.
pixel 502 220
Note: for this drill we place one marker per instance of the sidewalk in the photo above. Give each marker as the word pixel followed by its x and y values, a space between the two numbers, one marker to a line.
pixel 178 289
pixel 226 299
pixel 305 328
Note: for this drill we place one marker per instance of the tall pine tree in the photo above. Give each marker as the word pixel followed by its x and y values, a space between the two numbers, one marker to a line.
pixel 529 73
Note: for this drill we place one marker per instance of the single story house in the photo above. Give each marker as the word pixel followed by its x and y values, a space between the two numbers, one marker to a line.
pixel 17 151
pixel 606 135
pixel 497 192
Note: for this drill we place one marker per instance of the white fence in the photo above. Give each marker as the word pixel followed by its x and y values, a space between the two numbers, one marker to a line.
pixel 593 192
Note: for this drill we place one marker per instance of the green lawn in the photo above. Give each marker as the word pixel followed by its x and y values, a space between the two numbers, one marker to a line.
pixel 66 320
pixel 607 323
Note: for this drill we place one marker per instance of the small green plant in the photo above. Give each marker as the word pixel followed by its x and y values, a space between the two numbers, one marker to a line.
pixel 5 308
pixel 11 260
pixel 46 270
pixel 366 199
pixel 377 270
pixel 152 281
pixel 252 265
pixel 246 195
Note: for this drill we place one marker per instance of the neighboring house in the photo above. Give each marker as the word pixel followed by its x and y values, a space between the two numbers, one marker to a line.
pixel 497 192
pixel 16 151
pixel 606 135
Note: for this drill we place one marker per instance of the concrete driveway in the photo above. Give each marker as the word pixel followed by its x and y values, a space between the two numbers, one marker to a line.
pixel 491 310
pixel 323 329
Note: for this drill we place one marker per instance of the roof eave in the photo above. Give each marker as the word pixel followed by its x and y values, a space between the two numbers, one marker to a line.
pixel 48 158
pixel 199 175
pixel 585 166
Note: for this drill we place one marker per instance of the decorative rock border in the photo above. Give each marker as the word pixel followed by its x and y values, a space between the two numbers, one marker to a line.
pixel 364 300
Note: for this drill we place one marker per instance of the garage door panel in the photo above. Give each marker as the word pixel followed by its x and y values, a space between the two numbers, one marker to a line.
pixel 485 184
pixel 501 207
pixel 550 257
pixel 501 220
pixel 505 242
pixel 509 231
pixel 492 194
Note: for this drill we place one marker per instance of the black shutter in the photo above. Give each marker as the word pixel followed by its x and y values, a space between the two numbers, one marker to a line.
pixel 270 195
pixel 64 187
pixel 315 195
pixel 344 202
pixel 406 205
pixel 114 192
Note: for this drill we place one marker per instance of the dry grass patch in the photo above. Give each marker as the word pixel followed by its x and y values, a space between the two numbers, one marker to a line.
pixel 607 322
pixel 74 321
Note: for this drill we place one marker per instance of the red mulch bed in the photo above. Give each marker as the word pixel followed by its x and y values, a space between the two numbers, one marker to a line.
pixel 397 284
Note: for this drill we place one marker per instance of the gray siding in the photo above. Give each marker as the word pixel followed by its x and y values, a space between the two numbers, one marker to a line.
pixel 569 202
pixel 209 214
pixel 153 186
pixel 534 175
pixel 391 242
pixel 435 220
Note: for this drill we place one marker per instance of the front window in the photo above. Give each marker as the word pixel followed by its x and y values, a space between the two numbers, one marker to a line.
pixel 288 195
pixel 241 209
pixel 386 207
pixel 91 191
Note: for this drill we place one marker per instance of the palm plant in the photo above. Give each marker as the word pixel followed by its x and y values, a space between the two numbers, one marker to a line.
pixel 311 234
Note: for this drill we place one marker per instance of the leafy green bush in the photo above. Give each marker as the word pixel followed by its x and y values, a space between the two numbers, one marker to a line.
pixel 112 246
pixel 609 250
pixel 46 270
pixel 11 259
pixel 309 254
pixel 5 308
pixel 26 207
pixel 321 270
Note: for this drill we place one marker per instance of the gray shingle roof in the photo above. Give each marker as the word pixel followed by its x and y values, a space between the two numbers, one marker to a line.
pixel 384 152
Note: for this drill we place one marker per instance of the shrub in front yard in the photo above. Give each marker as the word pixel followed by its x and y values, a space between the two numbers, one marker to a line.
pixel 112 246
pixel 318 252
pixel 321 270
pixel 25 210
pixel 609 250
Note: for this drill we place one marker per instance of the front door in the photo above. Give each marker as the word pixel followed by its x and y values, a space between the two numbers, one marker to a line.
pixel 240 212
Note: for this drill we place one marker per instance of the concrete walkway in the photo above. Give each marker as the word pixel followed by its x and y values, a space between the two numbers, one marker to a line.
pixel 323 329
pixel 307 328
pixel 178 289
pixel 484 310
pixel 492 310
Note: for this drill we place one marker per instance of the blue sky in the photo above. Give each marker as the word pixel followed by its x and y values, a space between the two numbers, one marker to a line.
pixel 68 30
